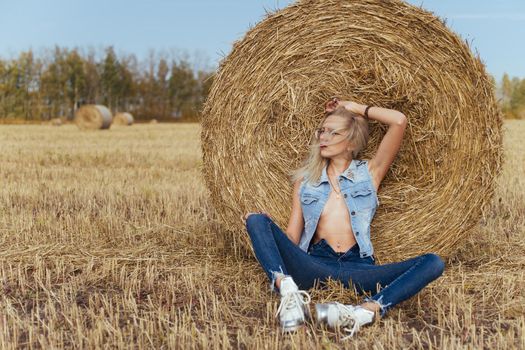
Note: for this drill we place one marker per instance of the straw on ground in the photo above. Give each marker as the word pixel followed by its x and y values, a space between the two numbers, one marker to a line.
pixel 109 240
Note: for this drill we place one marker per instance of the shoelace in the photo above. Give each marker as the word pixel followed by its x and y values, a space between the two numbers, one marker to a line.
pixel 347 315
pixel 290 300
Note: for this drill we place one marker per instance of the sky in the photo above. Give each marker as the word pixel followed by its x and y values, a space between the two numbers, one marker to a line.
pixel 206 29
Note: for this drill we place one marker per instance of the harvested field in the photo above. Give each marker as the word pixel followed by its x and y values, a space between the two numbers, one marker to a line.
pixel 109 240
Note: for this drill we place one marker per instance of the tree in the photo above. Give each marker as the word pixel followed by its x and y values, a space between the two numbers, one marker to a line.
pixel 92 79
pixel 125 86
pixel 512 96
pixel 53 84
pixel 50 85
pixel 161 87
pixel 182 88
pixel 75 79
pixel 109 78
pixel 517 100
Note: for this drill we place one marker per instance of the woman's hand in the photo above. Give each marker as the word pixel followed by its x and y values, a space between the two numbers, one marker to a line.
pixel 335 102
pixel 245 216
pixel 331 104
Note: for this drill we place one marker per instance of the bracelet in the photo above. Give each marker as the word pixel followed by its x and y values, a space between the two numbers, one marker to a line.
pixel 366 112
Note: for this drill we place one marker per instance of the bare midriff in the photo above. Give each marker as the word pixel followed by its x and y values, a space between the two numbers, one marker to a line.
pixel 334 225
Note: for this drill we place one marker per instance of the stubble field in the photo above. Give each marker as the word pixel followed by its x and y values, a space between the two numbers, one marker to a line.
pixel 108 240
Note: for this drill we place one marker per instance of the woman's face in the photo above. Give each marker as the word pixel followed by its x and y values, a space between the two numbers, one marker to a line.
pixel 337 145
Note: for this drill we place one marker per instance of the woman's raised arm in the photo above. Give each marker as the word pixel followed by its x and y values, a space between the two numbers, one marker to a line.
pixel 391 142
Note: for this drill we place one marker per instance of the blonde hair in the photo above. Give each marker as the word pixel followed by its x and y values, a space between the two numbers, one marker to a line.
pixel 312 166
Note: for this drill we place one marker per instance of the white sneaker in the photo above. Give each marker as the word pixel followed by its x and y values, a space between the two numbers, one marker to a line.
pixel 293 309
pixel 338 315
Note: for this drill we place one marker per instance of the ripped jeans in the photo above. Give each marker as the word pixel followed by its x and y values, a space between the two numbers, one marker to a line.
pixel 388 284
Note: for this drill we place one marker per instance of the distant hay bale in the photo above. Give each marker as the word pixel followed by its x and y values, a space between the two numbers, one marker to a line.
pixel 123 118
pixel 56 121
pixel 93 117
pixel 267 97
pixel 153 121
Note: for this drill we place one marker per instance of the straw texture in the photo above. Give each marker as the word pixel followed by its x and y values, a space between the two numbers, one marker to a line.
pixel 123 118
pixel 93 117
pixel 267 97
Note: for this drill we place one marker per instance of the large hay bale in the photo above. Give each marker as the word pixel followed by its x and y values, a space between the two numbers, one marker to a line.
pixel 93 117
pixel 123 118
pixel 267 97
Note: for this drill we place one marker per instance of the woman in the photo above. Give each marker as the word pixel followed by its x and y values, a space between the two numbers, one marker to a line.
pixel 328 234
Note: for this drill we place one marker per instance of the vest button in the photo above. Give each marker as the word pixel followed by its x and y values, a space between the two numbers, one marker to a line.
pixel 357 233
pixel 353 212
pixel 345 195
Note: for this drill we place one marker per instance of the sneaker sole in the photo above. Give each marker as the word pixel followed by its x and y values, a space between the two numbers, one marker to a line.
pixel 321 313
pixel 292 329
pixel 296 326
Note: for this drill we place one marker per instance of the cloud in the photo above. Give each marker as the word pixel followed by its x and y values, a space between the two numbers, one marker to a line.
pixel 489 16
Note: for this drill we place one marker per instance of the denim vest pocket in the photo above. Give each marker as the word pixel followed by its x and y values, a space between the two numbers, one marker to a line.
pixel 308 198
pixel 363 197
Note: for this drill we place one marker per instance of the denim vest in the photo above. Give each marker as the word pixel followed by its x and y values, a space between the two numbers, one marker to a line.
pixel 359 194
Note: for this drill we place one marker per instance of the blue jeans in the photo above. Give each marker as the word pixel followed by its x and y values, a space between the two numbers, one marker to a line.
pixel 398 281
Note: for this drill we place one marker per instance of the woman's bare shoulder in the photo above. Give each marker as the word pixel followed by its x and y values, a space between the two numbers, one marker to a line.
pixel 298 182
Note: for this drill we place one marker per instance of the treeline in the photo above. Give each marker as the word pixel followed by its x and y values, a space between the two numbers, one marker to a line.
pixel 512 96
pixel 49 85
pixel 164 87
